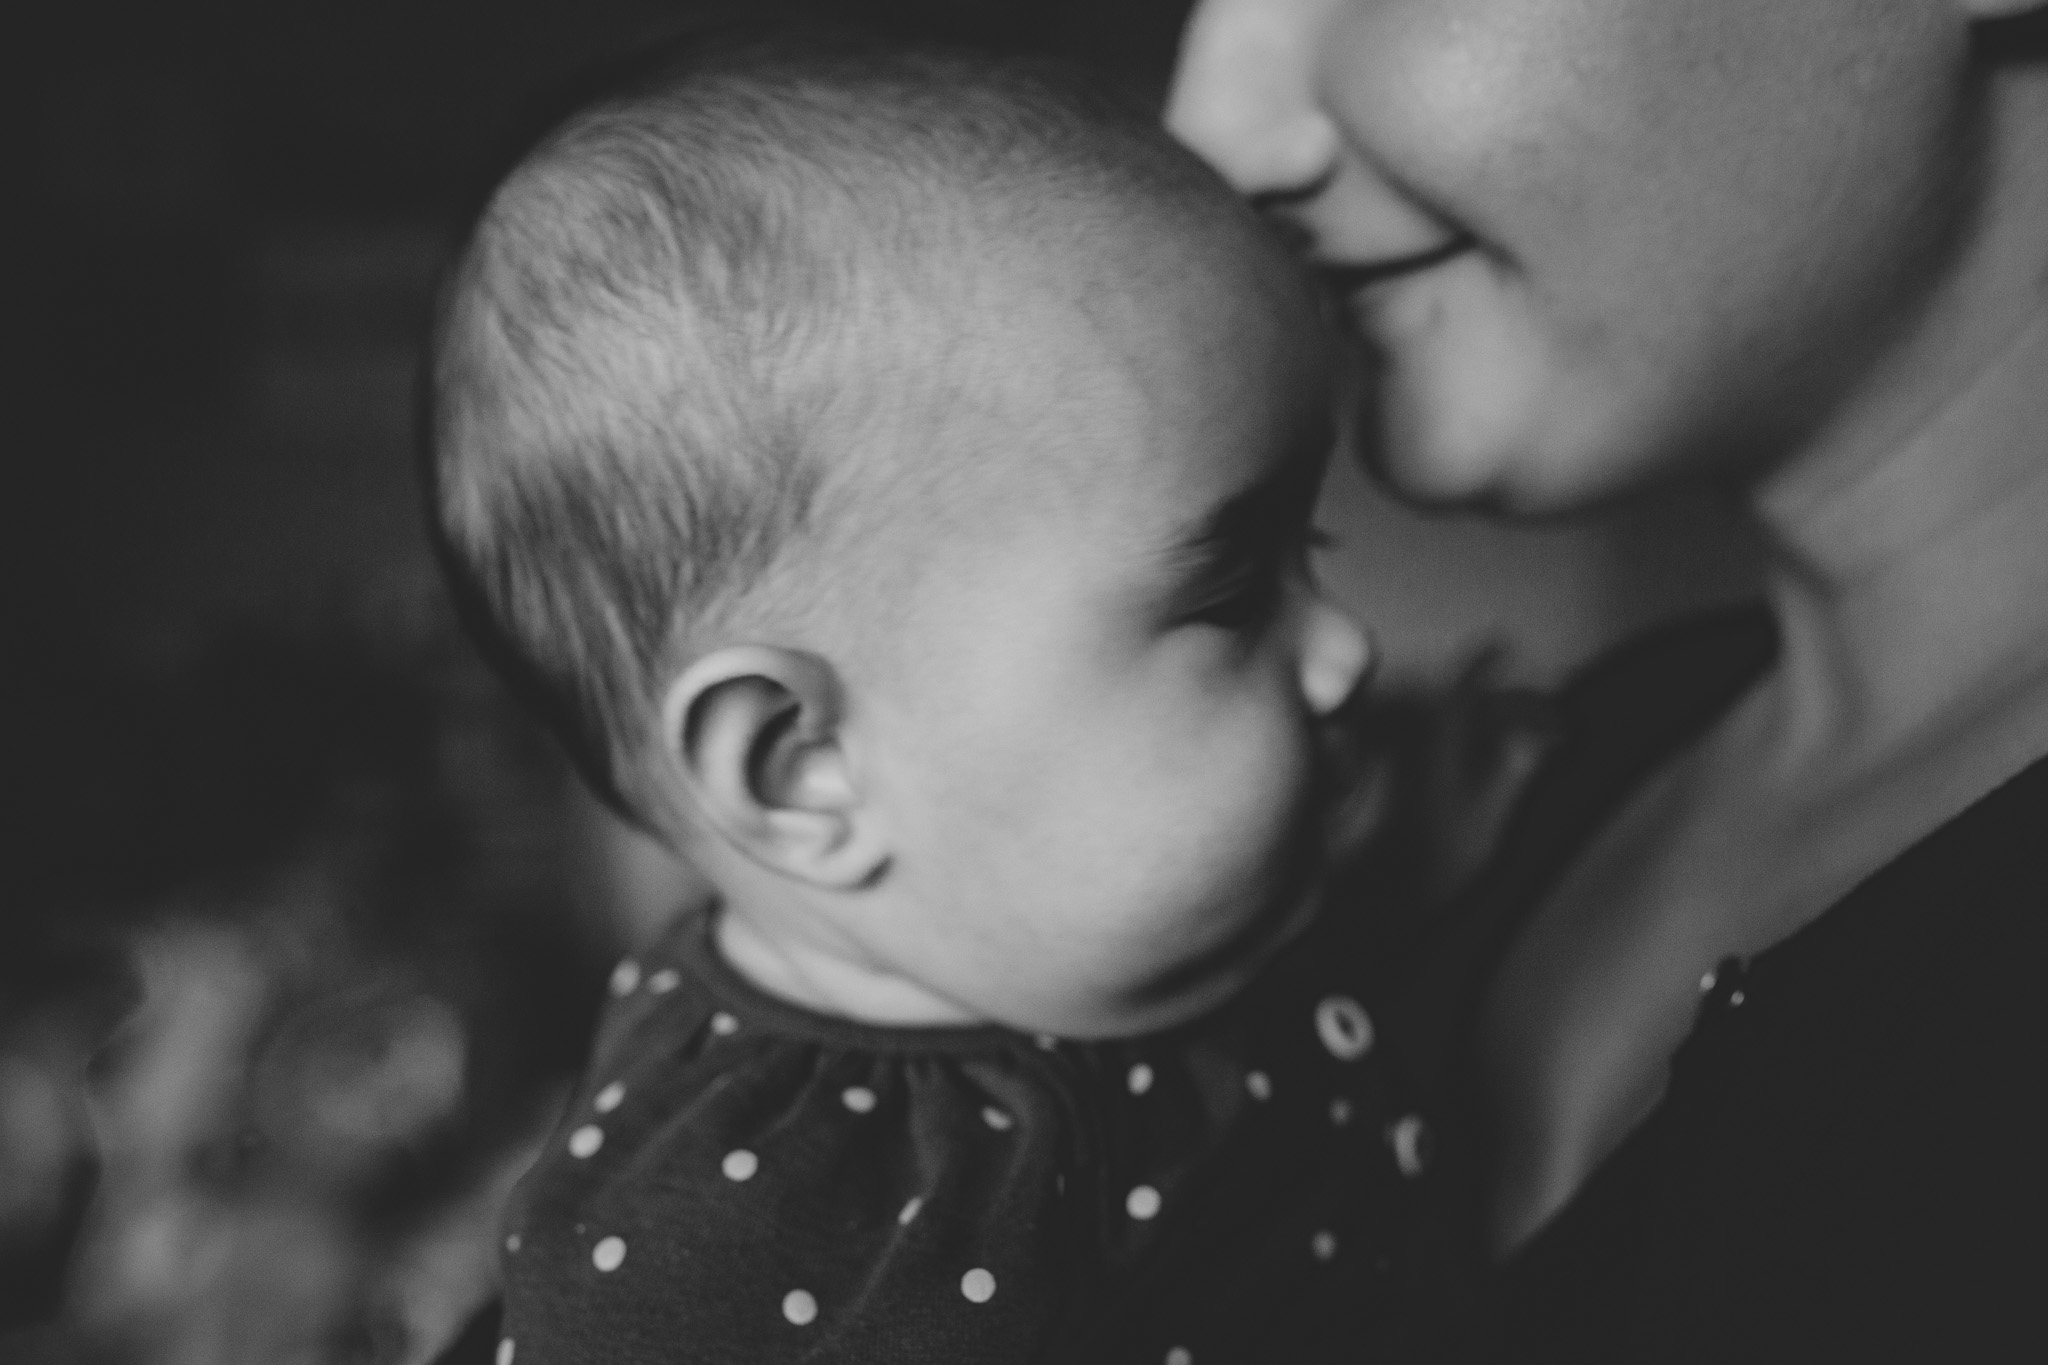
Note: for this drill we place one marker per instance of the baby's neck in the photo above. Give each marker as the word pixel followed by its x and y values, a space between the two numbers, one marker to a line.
pixel 828 979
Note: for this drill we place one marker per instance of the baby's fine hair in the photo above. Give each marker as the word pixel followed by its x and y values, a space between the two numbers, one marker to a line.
pixel 624 431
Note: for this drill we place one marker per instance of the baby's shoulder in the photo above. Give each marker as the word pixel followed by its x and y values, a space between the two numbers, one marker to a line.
pixel 766 1184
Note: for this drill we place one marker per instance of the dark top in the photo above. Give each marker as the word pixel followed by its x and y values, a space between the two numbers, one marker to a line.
pixel 1844 1164
pixel 741 1180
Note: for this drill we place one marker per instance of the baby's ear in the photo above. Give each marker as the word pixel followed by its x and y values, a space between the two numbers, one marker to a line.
pixel 755 732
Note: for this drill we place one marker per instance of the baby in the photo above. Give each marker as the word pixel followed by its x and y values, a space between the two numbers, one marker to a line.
pixel 892 473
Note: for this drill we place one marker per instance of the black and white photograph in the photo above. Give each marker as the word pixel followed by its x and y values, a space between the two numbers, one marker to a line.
pixel 1026 682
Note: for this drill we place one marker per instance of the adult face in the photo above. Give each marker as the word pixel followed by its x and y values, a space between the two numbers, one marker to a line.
pixel 1597 243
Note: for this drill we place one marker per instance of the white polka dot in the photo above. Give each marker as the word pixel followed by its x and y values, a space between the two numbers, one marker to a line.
pixel 978 1285
pixel 1259 1084
pixel 997 1119
pixel 723 1024
pixel 740 1164
pixel 608 1254
pixel 1324 1245
pixel 1736 997
pixel 608 1098
pixel 1180 1355
pixel 1409 1137
pixel 1707 983
pixel 1142 1202
pixel 1140 1079
pixel 858 1098
pixel 505 1350
pixel 586 1140
pixel 664 981
pixel 800 1308
pixel 910 1211
pixel 1340 1111
pixel 625 976
pixel 1345 1027
pixel 1046 1042
pixel 513 1243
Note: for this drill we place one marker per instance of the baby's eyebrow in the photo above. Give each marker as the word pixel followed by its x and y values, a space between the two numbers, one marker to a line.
pixel 1212 541
pixel 1237 517
pixel 1246 516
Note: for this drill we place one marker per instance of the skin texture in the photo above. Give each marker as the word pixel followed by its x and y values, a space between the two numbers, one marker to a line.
pixel 1794 251
pixel 1062 775
pixel 1608 240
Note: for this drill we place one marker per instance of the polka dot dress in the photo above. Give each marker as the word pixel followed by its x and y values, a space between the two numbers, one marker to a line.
pixel 767 1184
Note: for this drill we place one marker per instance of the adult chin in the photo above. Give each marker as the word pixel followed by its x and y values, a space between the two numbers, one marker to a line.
pixel 1458 402
pixel 1477 397
pixel 1473 422
pixel 1447 462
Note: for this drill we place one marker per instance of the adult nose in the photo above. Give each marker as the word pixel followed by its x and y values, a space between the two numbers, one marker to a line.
pixel 1336 654
pixel 1244 93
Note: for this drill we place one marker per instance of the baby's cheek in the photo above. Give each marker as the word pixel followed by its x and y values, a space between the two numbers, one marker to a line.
pixel 1250 790
pixel 1131 836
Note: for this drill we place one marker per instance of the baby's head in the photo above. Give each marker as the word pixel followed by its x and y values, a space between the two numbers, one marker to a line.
pixel 892 473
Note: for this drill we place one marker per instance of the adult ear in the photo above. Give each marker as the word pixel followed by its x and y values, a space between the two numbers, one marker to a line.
pixel 756 733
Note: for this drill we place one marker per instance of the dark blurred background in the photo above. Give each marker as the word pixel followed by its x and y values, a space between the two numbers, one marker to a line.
pixel 303 924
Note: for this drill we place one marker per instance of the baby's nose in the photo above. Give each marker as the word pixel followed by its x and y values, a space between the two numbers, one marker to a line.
pixel 1336 654
pixel 1244 94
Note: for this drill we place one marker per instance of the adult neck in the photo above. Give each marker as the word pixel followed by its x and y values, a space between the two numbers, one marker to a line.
pixel 1911 580
pixel 1907 544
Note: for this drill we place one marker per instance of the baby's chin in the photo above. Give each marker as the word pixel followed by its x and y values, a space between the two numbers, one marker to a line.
pixel 1191 986
pixel 1212 962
